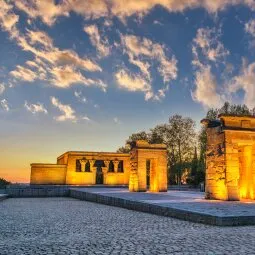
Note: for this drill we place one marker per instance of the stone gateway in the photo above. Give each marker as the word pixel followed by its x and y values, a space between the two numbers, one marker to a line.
pixel 230 157
pixel 145 166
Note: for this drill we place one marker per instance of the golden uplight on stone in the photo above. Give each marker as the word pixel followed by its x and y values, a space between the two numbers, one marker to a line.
pixel 230 157
pixel 108 168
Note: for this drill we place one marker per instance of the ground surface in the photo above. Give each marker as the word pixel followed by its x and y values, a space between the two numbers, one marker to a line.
pixel 188 201
pixel 70 226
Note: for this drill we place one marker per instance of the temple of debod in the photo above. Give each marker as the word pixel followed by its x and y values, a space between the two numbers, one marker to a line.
pixel 145 166
pixel 230 163
pixel 230 158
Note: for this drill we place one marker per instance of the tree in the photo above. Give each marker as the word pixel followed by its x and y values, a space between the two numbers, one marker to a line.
pixel 136 136
pixel 3 183
pixel 158 134
pixel 181 138
pixel 124 149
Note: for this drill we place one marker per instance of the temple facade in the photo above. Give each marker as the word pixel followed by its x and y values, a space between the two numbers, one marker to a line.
pixel 145 167
pixel 230 158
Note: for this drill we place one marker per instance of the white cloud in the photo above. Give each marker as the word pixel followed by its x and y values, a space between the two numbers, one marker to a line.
pixel 23 73
pixel 8 19
pixel 68 112
pixel 86 118
pixel 206 88
pixel 101 45
pixel 4 104
pixel 250 29
pixel 141 51
pixel 116 120
pixel 2 88
pixel 135 82
pixel 64 76
pixel 246 82
pixel 35 108
pixel 60 67
pixel 48 10
pixel 81 98
pixel 206 45
pixel 131 82
pixel 40 37
pixel 207 51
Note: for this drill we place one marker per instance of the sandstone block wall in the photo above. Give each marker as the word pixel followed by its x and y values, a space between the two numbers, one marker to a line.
pixel 48 174
pixel 230 158
pixel 156 154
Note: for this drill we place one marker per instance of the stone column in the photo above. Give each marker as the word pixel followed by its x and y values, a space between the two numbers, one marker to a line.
pixel 116 164
pixel 83 163
pixel 106 168
pixel 91 163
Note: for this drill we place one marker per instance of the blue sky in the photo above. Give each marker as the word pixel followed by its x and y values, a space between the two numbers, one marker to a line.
pixel 84 75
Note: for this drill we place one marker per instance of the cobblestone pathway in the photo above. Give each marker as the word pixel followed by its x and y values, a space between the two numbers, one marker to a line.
pixel 69 226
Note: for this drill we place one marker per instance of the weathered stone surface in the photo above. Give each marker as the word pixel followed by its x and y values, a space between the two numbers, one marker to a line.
pixel 230 158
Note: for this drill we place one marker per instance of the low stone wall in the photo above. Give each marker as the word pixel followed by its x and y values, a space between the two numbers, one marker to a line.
pixel 3 197
pixel 47 190
pixel 40 191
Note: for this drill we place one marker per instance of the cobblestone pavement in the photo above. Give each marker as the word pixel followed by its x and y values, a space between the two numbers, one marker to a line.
pixel 70 226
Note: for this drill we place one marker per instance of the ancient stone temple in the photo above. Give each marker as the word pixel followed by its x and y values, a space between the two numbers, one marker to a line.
pixel 230 157
pixel 145 167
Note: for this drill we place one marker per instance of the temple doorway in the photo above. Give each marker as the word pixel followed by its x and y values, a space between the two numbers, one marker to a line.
pixel 245 172
pixel 148 173
pixel 99 173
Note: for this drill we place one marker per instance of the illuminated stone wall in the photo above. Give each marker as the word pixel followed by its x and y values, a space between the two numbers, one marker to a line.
pixel 71 176
pixel 81 168
pixel 48 174
pixel 156 154
pixel 230 158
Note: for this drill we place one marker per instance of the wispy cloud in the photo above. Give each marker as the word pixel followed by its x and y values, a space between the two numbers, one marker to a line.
pixel 4 104
pixel 23 73
pixel 48 10
pixel 2 88
pixel 80 97
pixel 61 68
pixel 142 50
pixel 86 118
pixel 206 88
pixel 101 45
pixel 132 82
pixel 207 50
pixel 116 120
pixel 245 81
pixel 250 29
pixel 207 47
pixel 8 19
pixel 35 108
pixel 67 112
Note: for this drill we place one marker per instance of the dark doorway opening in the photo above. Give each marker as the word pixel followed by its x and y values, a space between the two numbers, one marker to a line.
pixel 99 174
pixel 148 172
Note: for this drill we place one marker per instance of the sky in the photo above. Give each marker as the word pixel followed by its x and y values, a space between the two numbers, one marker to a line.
pixel 86 74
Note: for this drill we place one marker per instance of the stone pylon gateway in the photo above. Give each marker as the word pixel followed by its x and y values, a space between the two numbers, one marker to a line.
pixel 230 157
pixel 144 168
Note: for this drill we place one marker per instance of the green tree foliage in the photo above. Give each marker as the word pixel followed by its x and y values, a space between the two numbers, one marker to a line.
pixel 3 183
pixel 136 136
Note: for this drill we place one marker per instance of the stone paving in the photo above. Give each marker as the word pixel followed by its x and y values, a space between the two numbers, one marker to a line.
pixel 190 201
pixel 70 226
